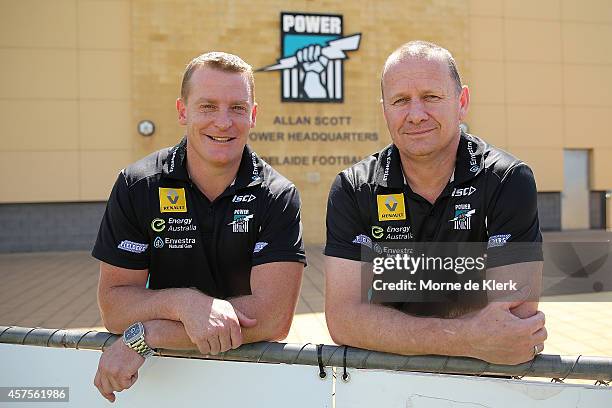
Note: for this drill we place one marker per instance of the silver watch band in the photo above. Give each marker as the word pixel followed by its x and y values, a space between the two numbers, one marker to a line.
pixel 142 348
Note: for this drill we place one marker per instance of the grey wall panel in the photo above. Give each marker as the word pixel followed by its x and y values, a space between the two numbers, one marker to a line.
pixel 49 226
pixel 597 210
pixel 549 211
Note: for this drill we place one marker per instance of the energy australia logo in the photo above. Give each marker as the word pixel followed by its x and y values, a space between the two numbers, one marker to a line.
pixel 313 51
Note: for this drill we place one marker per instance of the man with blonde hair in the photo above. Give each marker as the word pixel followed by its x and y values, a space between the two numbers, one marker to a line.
pixel 201 243
pixel 434 183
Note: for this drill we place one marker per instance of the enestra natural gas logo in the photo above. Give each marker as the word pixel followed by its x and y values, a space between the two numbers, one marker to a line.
pixel 313 51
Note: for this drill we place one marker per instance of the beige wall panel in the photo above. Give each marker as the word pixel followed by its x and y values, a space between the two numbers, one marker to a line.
pixel 601 167
pixel 585 43
pixel 38 23
pixel 38 125
pixel 43 176
pixel 487 82
pixel 105 125
pixel 532 83
pixel 486 8
pixel 588 85
pixel 486 38
pixel 532 40
pixel 591 11
pixel 104 74
pixel 99 170
pixel 547 166
pixel 104 24
pixel 36 73
pixel 535 126
pixel 587 127
pixel 540 9
pixel 489 123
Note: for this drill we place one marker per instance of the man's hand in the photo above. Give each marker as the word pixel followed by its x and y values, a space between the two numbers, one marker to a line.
pixel 311 59
pixel 313 63
pixel 213 325
pixel 117 369
pixel 495 335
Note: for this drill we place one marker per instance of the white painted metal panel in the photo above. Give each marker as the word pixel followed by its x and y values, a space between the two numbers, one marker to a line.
pixel 338 79
pixel 286 83
pixel 166 382
pixel 294 82
pixel 330 80
pixel 373 388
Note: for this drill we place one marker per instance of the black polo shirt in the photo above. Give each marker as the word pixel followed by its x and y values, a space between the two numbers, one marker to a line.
pixel 491 197
pixel 156 219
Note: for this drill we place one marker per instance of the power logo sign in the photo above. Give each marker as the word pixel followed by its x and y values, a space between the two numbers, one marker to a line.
pixel 391 207
pixel 172 200
pixel 313 51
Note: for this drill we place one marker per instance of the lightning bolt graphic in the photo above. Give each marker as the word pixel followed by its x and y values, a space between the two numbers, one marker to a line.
pixel 248 217
pixel 464 215
pixel 334 50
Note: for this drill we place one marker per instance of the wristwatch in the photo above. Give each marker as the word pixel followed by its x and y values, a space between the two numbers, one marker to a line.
pixel 134 338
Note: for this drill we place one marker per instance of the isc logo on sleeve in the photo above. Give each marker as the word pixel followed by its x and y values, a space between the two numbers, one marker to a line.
pixel 391 207
pixel 172 200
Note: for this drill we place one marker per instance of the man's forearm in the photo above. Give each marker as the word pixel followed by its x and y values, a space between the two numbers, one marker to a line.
pixel 376 327
pixel 171 334
pixel 528 279
pixel 272 322
pixel 168 334
pixel 275 290
pixel 121 306
pixel 129 304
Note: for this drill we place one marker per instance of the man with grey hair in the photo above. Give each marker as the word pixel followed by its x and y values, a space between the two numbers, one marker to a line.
pixel 201 243
pixel 434 183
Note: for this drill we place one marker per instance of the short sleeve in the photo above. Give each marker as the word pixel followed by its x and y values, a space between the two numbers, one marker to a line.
pixel 280 236
pixel 512 221
pixel 121 242
pixel 345 233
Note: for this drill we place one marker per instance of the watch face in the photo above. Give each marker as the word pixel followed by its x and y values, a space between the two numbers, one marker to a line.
pixel 132 333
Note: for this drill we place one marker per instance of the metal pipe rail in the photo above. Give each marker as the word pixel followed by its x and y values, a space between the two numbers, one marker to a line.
pixel 544 365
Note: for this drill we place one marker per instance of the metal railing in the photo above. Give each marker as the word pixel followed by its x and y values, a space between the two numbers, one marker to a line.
pixel 556 367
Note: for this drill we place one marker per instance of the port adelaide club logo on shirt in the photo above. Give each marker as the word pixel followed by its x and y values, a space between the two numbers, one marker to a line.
pixel 241 220
pixel 463 216
pixel 313 51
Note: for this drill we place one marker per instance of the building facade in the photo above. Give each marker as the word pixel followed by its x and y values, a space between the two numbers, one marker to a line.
pixel 79 76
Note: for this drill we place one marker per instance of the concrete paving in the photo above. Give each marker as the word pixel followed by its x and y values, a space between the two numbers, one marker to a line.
pixel 58 290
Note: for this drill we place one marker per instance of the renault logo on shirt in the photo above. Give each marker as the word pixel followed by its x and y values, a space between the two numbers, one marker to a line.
pixel 391 207
pixel 172 200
